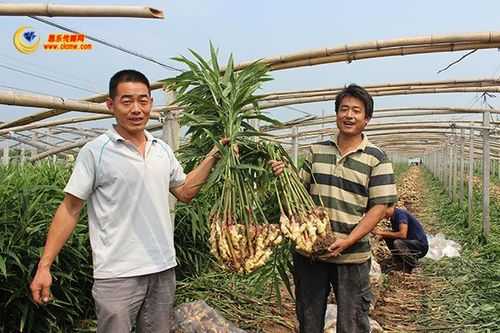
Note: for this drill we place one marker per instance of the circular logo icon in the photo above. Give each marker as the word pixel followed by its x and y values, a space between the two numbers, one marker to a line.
pixel 26 40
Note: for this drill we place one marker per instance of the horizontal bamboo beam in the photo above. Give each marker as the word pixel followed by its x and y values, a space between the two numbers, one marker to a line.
pixel 49 9
pixel 486 85
pixel 58 150
pixel 74 145
pixel 377 114
pixel 485 82
pixel 99 98
pixel 41 101
pixel 54 123
pixel 380 48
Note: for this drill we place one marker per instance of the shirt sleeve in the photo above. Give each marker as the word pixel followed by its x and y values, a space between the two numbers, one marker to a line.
pixel 177 175
pixel 382 184
pixel 401 217
pixel 82 180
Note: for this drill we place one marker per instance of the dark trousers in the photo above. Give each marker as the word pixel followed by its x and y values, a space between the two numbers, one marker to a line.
pixel 407 251
pixel 351 285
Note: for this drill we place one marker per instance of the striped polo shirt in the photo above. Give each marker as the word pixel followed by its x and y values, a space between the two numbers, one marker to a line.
pixel 348 186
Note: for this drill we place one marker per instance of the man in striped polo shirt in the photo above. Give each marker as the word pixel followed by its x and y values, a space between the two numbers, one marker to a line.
pixel 354 179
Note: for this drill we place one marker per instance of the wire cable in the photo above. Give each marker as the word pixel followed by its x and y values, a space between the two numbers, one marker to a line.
pixel 103 42
pixel 45 78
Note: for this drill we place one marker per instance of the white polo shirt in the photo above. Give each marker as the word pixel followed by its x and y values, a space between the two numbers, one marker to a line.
pixel 130 229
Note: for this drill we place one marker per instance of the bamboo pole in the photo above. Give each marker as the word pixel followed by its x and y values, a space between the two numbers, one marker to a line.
pixel 449 168
pixel 22 156
pixel 471 175
pixel 53 123
pixel 399 51
pixel 5 157
pixel 454 163
pixel 61 149
pixel 262 105
pixel 389 91
pixel 171 128
pixel 51 10
pixel 462 165
pixel 406 126
pixel 486 82
pixel 99 98
pixel 78 144
pixel 378 114
pixel 295 144
pixel 171 135
pixel 380 45
pixel 486 176
pixel 13 98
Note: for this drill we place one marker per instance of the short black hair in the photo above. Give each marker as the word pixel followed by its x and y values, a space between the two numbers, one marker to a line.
pixel 358 92
pixel 126 75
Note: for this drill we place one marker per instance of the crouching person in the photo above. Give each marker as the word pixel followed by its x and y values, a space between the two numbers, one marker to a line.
pixel 407 240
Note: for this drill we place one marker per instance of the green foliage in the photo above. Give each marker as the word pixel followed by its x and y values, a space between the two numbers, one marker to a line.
pixel 191 235
pixel 399 169
pixel 240 299
pixel 29 196
pixel 217 104
pixel 472 299
pixel 222 104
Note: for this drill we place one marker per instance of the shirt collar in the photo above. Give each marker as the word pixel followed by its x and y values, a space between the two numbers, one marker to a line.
pixel 362 146
pixel 113 134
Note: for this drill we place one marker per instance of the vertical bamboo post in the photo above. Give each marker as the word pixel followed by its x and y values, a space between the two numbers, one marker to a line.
pixel 498 168
pixel 444 165
pixel 455 167
pixel 295 145
pixel 171 126
pixel 439 161
pixel 323 124
pixel 170 135
pixel 471 175
pixel 450 168
pixel 462 165
pixel 34 139
pixel 5 157
pixel 22 157
pixel 486 174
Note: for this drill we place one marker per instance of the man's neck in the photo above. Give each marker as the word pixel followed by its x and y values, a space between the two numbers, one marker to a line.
pixel 348 143
pixel 136 138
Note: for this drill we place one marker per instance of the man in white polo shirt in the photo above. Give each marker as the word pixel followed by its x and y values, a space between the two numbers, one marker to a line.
pixel 125 175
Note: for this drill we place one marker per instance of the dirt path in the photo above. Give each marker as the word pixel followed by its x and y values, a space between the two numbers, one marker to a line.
pixel 403 298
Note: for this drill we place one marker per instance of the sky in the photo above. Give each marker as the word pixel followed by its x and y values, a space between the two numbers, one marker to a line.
pixel 256 29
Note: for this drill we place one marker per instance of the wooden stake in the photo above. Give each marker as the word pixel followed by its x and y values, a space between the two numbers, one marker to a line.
pixel 462 165
pixel 471 175
pixel 486 175
pixel 295 144
pixel 5 158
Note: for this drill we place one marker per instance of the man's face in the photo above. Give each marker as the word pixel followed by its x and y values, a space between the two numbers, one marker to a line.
pixel 131 106
pixel 351 116
pixel 389 212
